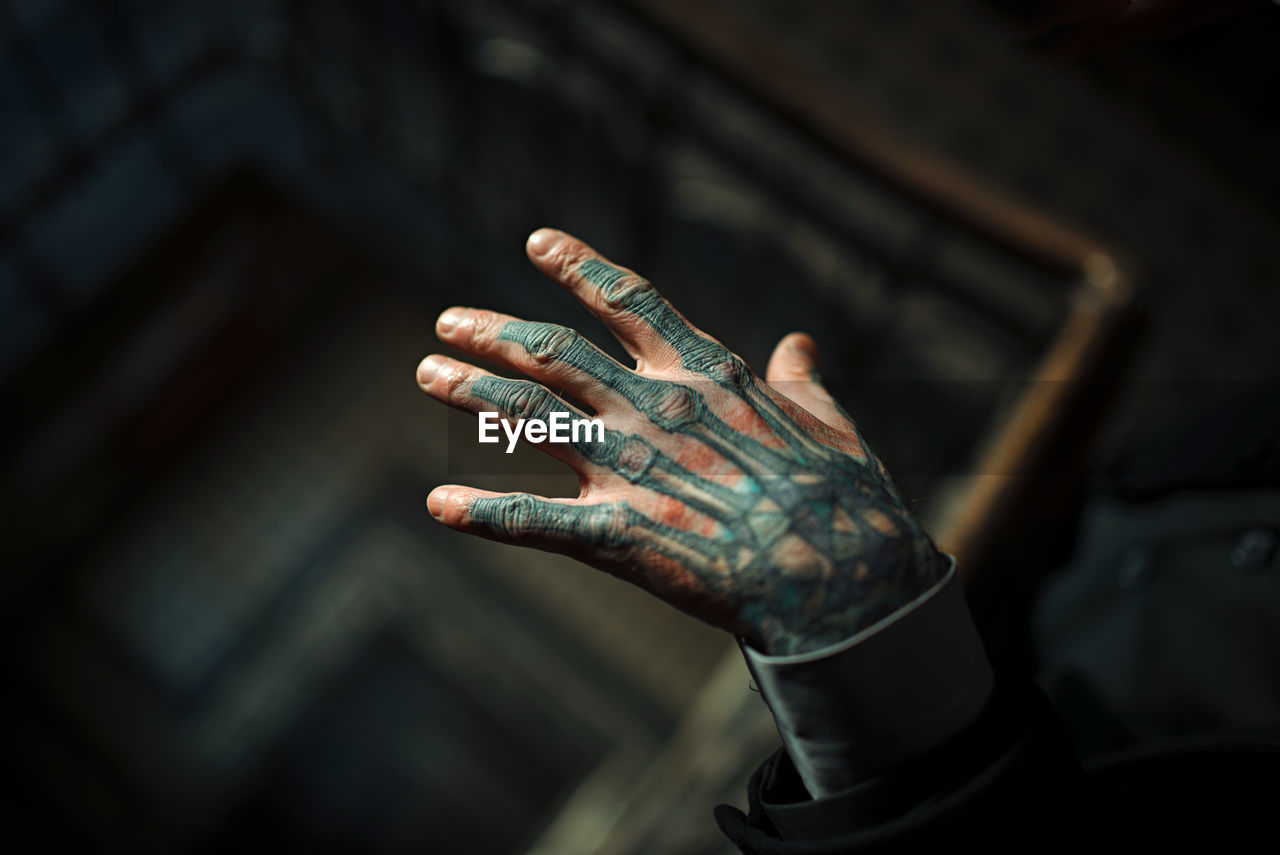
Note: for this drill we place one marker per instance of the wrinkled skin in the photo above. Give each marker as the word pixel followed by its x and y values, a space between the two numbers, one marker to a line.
pixel 763 513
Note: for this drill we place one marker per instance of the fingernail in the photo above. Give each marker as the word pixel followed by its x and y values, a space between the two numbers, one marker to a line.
pixel 803 344
pixel 435 501
pixel 543 241
pixel 428 369
pixel 450 319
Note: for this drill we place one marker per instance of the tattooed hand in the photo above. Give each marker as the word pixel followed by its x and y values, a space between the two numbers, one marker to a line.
pixel 762 513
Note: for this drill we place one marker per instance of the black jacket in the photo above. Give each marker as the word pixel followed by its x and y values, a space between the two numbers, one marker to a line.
pixel 1011 778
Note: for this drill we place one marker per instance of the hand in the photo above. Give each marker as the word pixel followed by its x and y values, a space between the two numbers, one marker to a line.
pixel 763 514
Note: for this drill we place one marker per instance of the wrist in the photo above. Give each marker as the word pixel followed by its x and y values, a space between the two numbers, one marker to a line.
pixel 805 616
pixel 883 696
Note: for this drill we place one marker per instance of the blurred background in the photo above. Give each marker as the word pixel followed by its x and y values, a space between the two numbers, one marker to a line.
pixel 226 227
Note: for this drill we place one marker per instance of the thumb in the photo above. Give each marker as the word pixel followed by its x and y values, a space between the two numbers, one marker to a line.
pixel 793 371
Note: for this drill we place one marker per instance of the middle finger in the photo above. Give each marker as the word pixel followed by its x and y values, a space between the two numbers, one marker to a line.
pixel 550 353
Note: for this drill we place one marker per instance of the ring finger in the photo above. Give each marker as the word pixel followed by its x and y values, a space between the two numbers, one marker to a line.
pixel 553 354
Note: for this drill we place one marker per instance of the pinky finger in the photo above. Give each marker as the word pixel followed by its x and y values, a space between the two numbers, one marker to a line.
pixel 591 532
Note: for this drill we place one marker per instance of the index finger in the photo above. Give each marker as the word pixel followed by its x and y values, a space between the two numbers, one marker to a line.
pixel 646 324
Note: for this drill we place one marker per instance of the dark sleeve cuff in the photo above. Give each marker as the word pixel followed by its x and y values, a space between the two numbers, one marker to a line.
pixel 889 693
pixel 1009 775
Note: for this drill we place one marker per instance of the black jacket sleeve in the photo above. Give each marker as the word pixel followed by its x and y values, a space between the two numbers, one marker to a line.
pixel 1010 776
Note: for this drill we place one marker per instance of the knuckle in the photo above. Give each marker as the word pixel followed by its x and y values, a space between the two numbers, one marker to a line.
pixel 482 328
pixel 635 456
pixel 568 254
pixel 620 292
pixel 732 371
pixel 630 294
pixel 717 362
pixel 550 343
pixel 529 401
pixel 517 514
pixel 608 527
pixel 453 377
pixel 672 406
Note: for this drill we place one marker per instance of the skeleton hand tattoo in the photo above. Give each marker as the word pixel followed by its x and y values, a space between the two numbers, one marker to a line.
pixel 762 513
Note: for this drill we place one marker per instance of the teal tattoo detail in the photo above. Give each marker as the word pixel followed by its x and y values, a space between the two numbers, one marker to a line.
pixel 810 545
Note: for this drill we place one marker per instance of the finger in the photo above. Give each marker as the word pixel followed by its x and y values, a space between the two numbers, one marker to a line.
pixel 793 371
pixel 596 531
pixel 561 356
pixel 640 318
pixel 555 355
pixel 475 390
